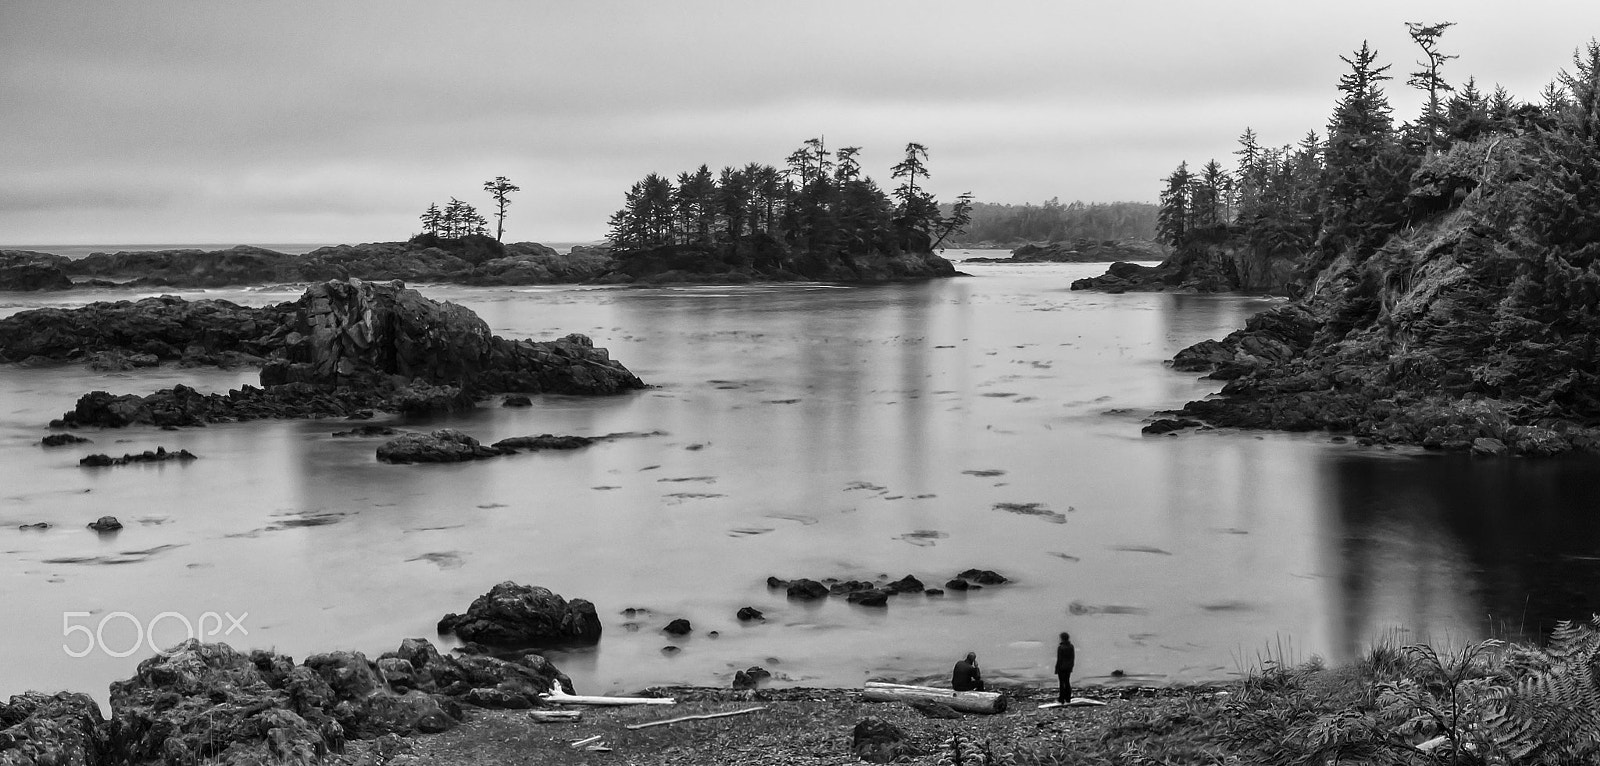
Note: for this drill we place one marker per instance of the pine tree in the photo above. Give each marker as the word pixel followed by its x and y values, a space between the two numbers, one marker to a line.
pixel 500 188
pixel 1426 36
pixel 1366 173
pixel 1172 223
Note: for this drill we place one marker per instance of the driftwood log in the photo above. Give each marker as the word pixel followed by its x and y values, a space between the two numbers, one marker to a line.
pixel 555 716
pixel 966 702
pixel 558 697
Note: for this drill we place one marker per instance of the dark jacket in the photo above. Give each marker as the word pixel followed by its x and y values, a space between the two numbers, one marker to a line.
pixel 1065 656
pixel 966 677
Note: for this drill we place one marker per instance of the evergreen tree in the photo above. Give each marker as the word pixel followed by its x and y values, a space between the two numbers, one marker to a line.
pixel 500 188
pixel 1172 224
pixel 432 219
pixel 1426 36
pixel 1366 173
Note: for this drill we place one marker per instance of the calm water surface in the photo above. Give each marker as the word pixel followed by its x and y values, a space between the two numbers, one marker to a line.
pixel 809 431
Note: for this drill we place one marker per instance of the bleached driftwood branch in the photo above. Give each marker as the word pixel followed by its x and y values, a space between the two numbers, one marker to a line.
pixel 704 717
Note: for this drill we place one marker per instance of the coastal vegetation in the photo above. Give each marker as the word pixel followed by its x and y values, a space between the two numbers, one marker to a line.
pixel 457 219
pixel 995 224
pixel 1445 271
pixel 820 217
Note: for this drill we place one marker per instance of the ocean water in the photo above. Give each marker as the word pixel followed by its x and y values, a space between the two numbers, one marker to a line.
pixel 806 430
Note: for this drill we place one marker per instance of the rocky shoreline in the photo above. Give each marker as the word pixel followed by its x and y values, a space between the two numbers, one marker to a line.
pixel 473 260
pixel 207 702
pixel 344 348
pixel 1404 348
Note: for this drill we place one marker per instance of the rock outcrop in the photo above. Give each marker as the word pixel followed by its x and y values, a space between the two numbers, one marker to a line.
pixel 524 615
pixel 1472 330
pixel 28 271
pixel 1206 267
pixel 168 328
pixel 468 260
pixel 344 347
pixel 207 703
pixel 1082 251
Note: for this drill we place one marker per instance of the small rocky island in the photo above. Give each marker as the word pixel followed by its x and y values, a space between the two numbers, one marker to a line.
pixel 345 347
pixel 821 220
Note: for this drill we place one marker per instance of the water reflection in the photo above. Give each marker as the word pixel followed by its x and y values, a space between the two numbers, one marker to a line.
pixel 1454 549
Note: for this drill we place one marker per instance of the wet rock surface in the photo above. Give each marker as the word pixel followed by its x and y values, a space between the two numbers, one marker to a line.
pixel 1416 345
pixel 29 271
pixel 524 615
pixel 343 349
pixel 207 703
pixel 878 592
pixel 1206 267
pixel 157 455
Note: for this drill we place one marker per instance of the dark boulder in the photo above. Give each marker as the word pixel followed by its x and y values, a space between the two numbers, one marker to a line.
pixel 446 445
pixel 61 440
pixel 983 576
pixel 105 524
pixel 869 597
pixel 522 615
pixel 678 627
pixel 907 584
pixel 752 678
pixel 749 613
pixel 516 400
pixel 543 441
pixel 845 587
pixel 29 271
pixel 806 590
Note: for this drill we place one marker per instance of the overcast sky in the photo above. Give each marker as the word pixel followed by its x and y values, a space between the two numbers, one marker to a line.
pixel 190 122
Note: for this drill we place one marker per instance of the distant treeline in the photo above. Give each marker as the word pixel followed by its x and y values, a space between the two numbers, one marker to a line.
pixel 1056 222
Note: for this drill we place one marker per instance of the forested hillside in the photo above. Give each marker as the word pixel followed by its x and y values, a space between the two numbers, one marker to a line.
pixel 1448 269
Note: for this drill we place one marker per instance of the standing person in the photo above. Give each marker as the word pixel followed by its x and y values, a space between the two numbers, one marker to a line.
pixel 1066 656
pixel 966 677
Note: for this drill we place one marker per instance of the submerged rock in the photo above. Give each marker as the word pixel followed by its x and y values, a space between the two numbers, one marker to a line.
pixel 105 524
pixel 522 615
pixel 157 455
pixel 61 440
pixel 446 445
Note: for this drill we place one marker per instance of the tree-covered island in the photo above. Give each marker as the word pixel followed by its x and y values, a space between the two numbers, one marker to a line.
pixel 818 218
